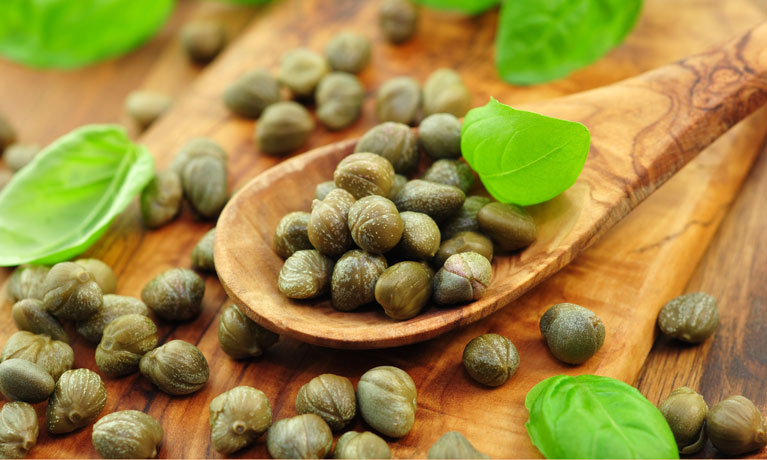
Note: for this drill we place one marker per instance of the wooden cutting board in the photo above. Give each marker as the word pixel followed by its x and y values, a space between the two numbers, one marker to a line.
pixel 625 278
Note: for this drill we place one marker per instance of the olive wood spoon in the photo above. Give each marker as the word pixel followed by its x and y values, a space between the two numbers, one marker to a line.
pixel 643 130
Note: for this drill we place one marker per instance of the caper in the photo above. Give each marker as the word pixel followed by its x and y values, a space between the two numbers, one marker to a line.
pixel 70 292
pixel 238 417
pixel 450 172
pixel 205 185
pixel 339 99
pixel 305 275
pixel 53 355
pixel 292 234
pixel 76 402
pixel 17 156
pixel 175 294
pixel 29 315
pixel 251 93
pixel 466 218
pixel 329 396
pixel 572 333
pixel 144 107
pixel 685 411
pixel 363 174
pixel 203 40
pixel 735 426
pixel 283 128
pixel 328 228
pixel 7 133
pixel 240 337
pixel 127 434
pixel 22 380
pixel 354 444
pixel 508 225
pixel 691 317
pixel 399 100
pixel 200 147
pixel 464 242
pixel 439 135
pixel 387 400
pixel 18 429
pixel 124 342
pixel 438 201
pixel 445 92
pixel 114 307
pixel 420 236
pixel 323 188
pixel 202 254
pixel 348 52
pixel 354 279
pixel 301 70
pixel 26 282
pixel 398 20
pixel 404 289
pixel 303 436
pixel 464 277
pixel 375 224
pixel 177 368
pixel 161 199
pixel 394 141
pixel 490 359
pixel 454 445
pixel 102 274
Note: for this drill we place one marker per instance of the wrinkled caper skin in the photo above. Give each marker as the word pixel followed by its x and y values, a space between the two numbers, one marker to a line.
pixel 464 242
pixel 199 147
pixel 420 237
pixel 572 333
pixel 53 355
pixel 202 254
pixel 204 180
pixel 323 188
pixel 328 223
pixel 329 396
pixel 26 282
pixel 375 224
pixel 354 444
pixel 685 411
pixel 398 20
pixel 339 99
pixel 102 273
pixel 363 174
pixel 691 317
pixel 21 380
pixel 466 218
pixel 354 279
pixel 490 359
pixel 292 234
pixel 251 93
pixel 438 201
pixel 399 100
pixel 348 52
pixel 124 342
pixel 450 172
pixel 404 289
pixel 240 337
pixel 177 367
pixel 144 107
pixel 301 70
pixel 70 292
pixel 508 225
pixel 175 294
pixel 305 275
pixel 114 306
pixel 445 92
pixel 735 426
pixel 29 315
pixel 161 199
pixel 303 436
pixel 127 434
pixel 283 128
pixel 238 417
pixel 394 141
pixel 454 445
pixel 439 135
pixel 18 429
pixel 17 156
pixel 76 402
pixel 387 400
pixel 7 133
pixel 203 40
pixel 464 277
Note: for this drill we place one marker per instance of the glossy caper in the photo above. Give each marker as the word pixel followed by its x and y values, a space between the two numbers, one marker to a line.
pixel 17 156
pixel 114 306
pixel 439 135
pixel 450 172
pixel 464 242
pixel 466 218
pixel 438 201
pixel 363 174
pixel 490 359
pixel 323 188
pixel 292 234
pixel 354 279
pixel 18 429
pixel 22 380
pixel 305 275
pixel 691 317
pixel 53 355
pixel 328 228
pixel 508 225
pixel 238 417
pixel 240 337
pixel 339 99
pixel 102 273
pixel 394 141
pixel 454 445
pixel 303 436
pixel 685 411
pixel 202 40
pixel 387 400
pixel 161 199
pixel 572 333
pixel 26 282
pixel 251 93
pixel 398 20
pixel 463 277
pixel 445 92
pixel 177 367
pixel 735 426
pixel 70 292
pixel 399 100
pixel 404 289
pixel 329 396
pixel 301 70
pixel 124 342
pixel 144 107
pixel 202 254
pixel 127 434
pixel 348 51
pixel 175 294
pixel 375 224
pixel 354 444
pixel 204 180
pixel 420 236
pixel 29 315
pixel 7 133
pixel 283 128
pixel 77 401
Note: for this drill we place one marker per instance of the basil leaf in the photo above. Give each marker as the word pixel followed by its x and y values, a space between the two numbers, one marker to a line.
pixel 542 40
pixel 465 6
pixel 523 157
pixel 63 201
pixel 596 417
pixel 75 33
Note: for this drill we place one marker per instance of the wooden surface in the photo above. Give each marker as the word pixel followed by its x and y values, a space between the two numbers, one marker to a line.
pixel 632 268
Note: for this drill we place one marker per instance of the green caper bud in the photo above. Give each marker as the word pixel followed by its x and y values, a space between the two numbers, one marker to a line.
pixel 394 141
pixel 76 402
pixel 240 337
pixel 200 147
pixel 283 128
pixel 177 368
pixel 348 52
pixel 490 359
pixel 339 99
pixel 238 417
pixel 29 315
pixel 144 107
pixel 114 307
pixel 466 218
pixel 7 133
pixel 398 20
pixel 445 92
pixel 396 185
pixel 464 277
pixel 54 356
pixel 26 282
pixel 454 445
pixel 438 201
pixel 301 70
pixel 464 242
pixel 387 400
pixel 329 396
pixel 508 225
pixel 18 429
pixel 70 292
pixel 17 156
pixel 292 234
pixel 685 411
pixel 691 317
pixel 127 434
pixel 202 40
pixel 202 254
pixel 205 185
pixel 572 333
pixel 399 100
pixel 375 224
pixel 323 188
pixel 439 135
pixel 363 174
pixel 175 294
pixel 161 199
pixel 124 342
pixel 735 426
pixel 21 380
pixel 102 274
pixel 420 236
pixel 354 444
pixel 251 93
pixel 450 172
pixel 354 279
pixel 404 289
pixel 328 228
pixel 305 275
pixel 303 436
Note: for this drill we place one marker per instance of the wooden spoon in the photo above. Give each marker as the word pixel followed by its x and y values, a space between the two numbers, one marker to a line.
pixel 643 130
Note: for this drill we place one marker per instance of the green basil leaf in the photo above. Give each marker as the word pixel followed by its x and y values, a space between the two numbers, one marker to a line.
pixel 542 40
pixel 523 157
pixel 596 417
pixel 63 201
pixel 464 6
pixel 75 33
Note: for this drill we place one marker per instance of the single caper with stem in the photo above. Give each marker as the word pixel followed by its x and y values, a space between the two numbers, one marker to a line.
pixel 77 401
pixel 685 411
pixel 238 417
pixel 70 292
pixel 735 426
pixel 18 429
pixel 329 396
